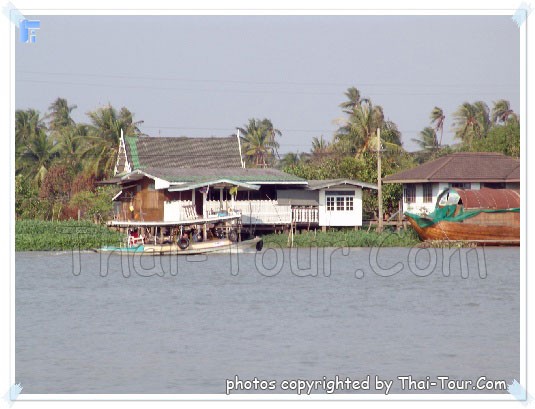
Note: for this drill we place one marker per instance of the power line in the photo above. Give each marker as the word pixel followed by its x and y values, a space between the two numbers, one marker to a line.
pixel 234 91
pixel 232 81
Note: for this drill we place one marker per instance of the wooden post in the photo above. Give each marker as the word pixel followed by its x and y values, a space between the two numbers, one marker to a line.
pixel 379 186
pixel 205 215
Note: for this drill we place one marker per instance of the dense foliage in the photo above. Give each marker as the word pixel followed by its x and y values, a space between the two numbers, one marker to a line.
pixel 58 161
pixel 66 235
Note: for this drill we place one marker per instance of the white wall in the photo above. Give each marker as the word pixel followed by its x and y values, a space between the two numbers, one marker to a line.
pixel 172 211
pixel 341 218
pixel 420 207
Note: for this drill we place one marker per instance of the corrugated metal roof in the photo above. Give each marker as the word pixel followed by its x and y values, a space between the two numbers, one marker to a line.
pixel 327 183
pixel 489 198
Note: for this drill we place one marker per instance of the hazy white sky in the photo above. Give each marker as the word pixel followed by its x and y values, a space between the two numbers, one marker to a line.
pixel 205 75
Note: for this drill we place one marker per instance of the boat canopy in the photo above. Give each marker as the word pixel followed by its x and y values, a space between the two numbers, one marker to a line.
pixel 485 198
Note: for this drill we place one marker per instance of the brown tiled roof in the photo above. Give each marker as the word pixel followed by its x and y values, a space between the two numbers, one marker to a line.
pixel 462 167
pixel 182 152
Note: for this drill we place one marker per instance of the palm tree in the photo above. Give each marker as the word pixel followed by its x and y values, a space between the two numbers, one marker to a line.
pixel 28 124
pixel 258 140
pixel 437 118
pixel 320 147
pixel 353 100
pixel 104 136
pixel 38 156
pixel 290 159
pixel 483 117
pixel 471 120
pixel 361 127
pixel 501 112
pixel 391 136
pixel 60 114
pixel 72 147
pixel 359 132
pixel 427 140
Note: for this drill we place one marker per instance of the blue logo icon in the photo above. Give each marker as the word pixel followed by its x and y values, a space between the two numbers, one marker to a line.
pixel 28 30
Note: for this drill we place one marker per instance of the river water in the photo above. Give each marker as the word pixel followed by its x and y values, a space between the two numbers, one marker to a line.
pixel 90 323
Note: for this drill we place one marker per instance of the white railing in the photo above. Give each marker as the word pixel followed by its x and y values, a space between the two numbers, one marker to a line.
pixel 256 211
pixel 305 215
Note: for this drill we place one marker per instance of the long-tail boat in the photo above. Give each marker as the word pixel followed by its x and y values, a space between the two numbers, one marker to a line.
pixel 486 217
pixel 215 233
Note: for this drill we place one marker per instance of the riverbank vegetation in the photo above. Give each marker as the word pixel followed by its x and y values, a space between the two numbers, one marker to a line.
pixel 345 238
pixel 38 235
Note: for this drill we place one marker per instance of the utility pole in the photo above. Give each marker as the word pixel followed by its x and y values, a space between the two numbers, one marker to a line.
pixel 379 182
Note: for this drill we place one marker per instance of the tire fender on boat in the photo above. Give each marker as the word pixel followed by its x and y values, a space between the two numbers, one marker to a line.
pixel 260 245
pixel 233 236
pixel 183 243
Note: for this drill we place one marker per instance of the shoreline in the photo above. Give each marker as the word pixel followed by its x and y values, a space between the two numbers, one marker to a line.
pixel 37 235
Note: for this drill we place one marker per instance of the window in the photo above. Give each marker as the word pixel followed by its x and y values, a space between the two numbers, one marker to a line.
pixel 495 185
pixel 339 201
pixel 461 185
pixel 151 186
pixel 428 192
pixel 409 193
pixel 330 203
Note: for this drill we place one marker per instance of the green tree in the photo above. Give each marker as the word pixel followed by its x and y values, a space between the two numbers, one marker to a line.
pixel 472 121
pixel 358 135
pixel 320 148
pixel 502 112
pixel 258 141
pixel 503 139
pixel 353 100
pixel 60 115
pixel 104 136
pixel 28 124
pixel 437 118
pixel 94 205
pixel 37 157
pixel 427 140
pixel 290 159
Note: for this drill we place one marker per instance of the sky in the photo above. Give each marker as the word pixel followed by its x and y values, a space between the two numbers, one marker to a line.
pixel 207 75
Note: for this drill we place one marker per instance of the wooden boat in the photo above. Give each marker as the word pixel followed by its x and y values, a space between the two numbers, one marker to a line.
pixel 211 246
pixel 486 217
pixel 216 233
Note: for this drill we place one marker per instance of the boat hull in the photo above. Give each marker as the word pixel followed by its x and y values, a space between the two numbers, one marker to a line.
pixel 497 235
pixel 212 246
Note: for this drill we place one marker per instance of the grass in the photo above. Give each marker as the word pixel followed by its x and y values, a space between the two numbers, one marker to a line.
pixel 37 235
pixel 347 238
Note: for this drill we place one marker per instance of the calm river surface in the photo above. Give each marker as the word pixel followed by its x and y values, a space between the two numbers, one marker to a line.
pixel 92 324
